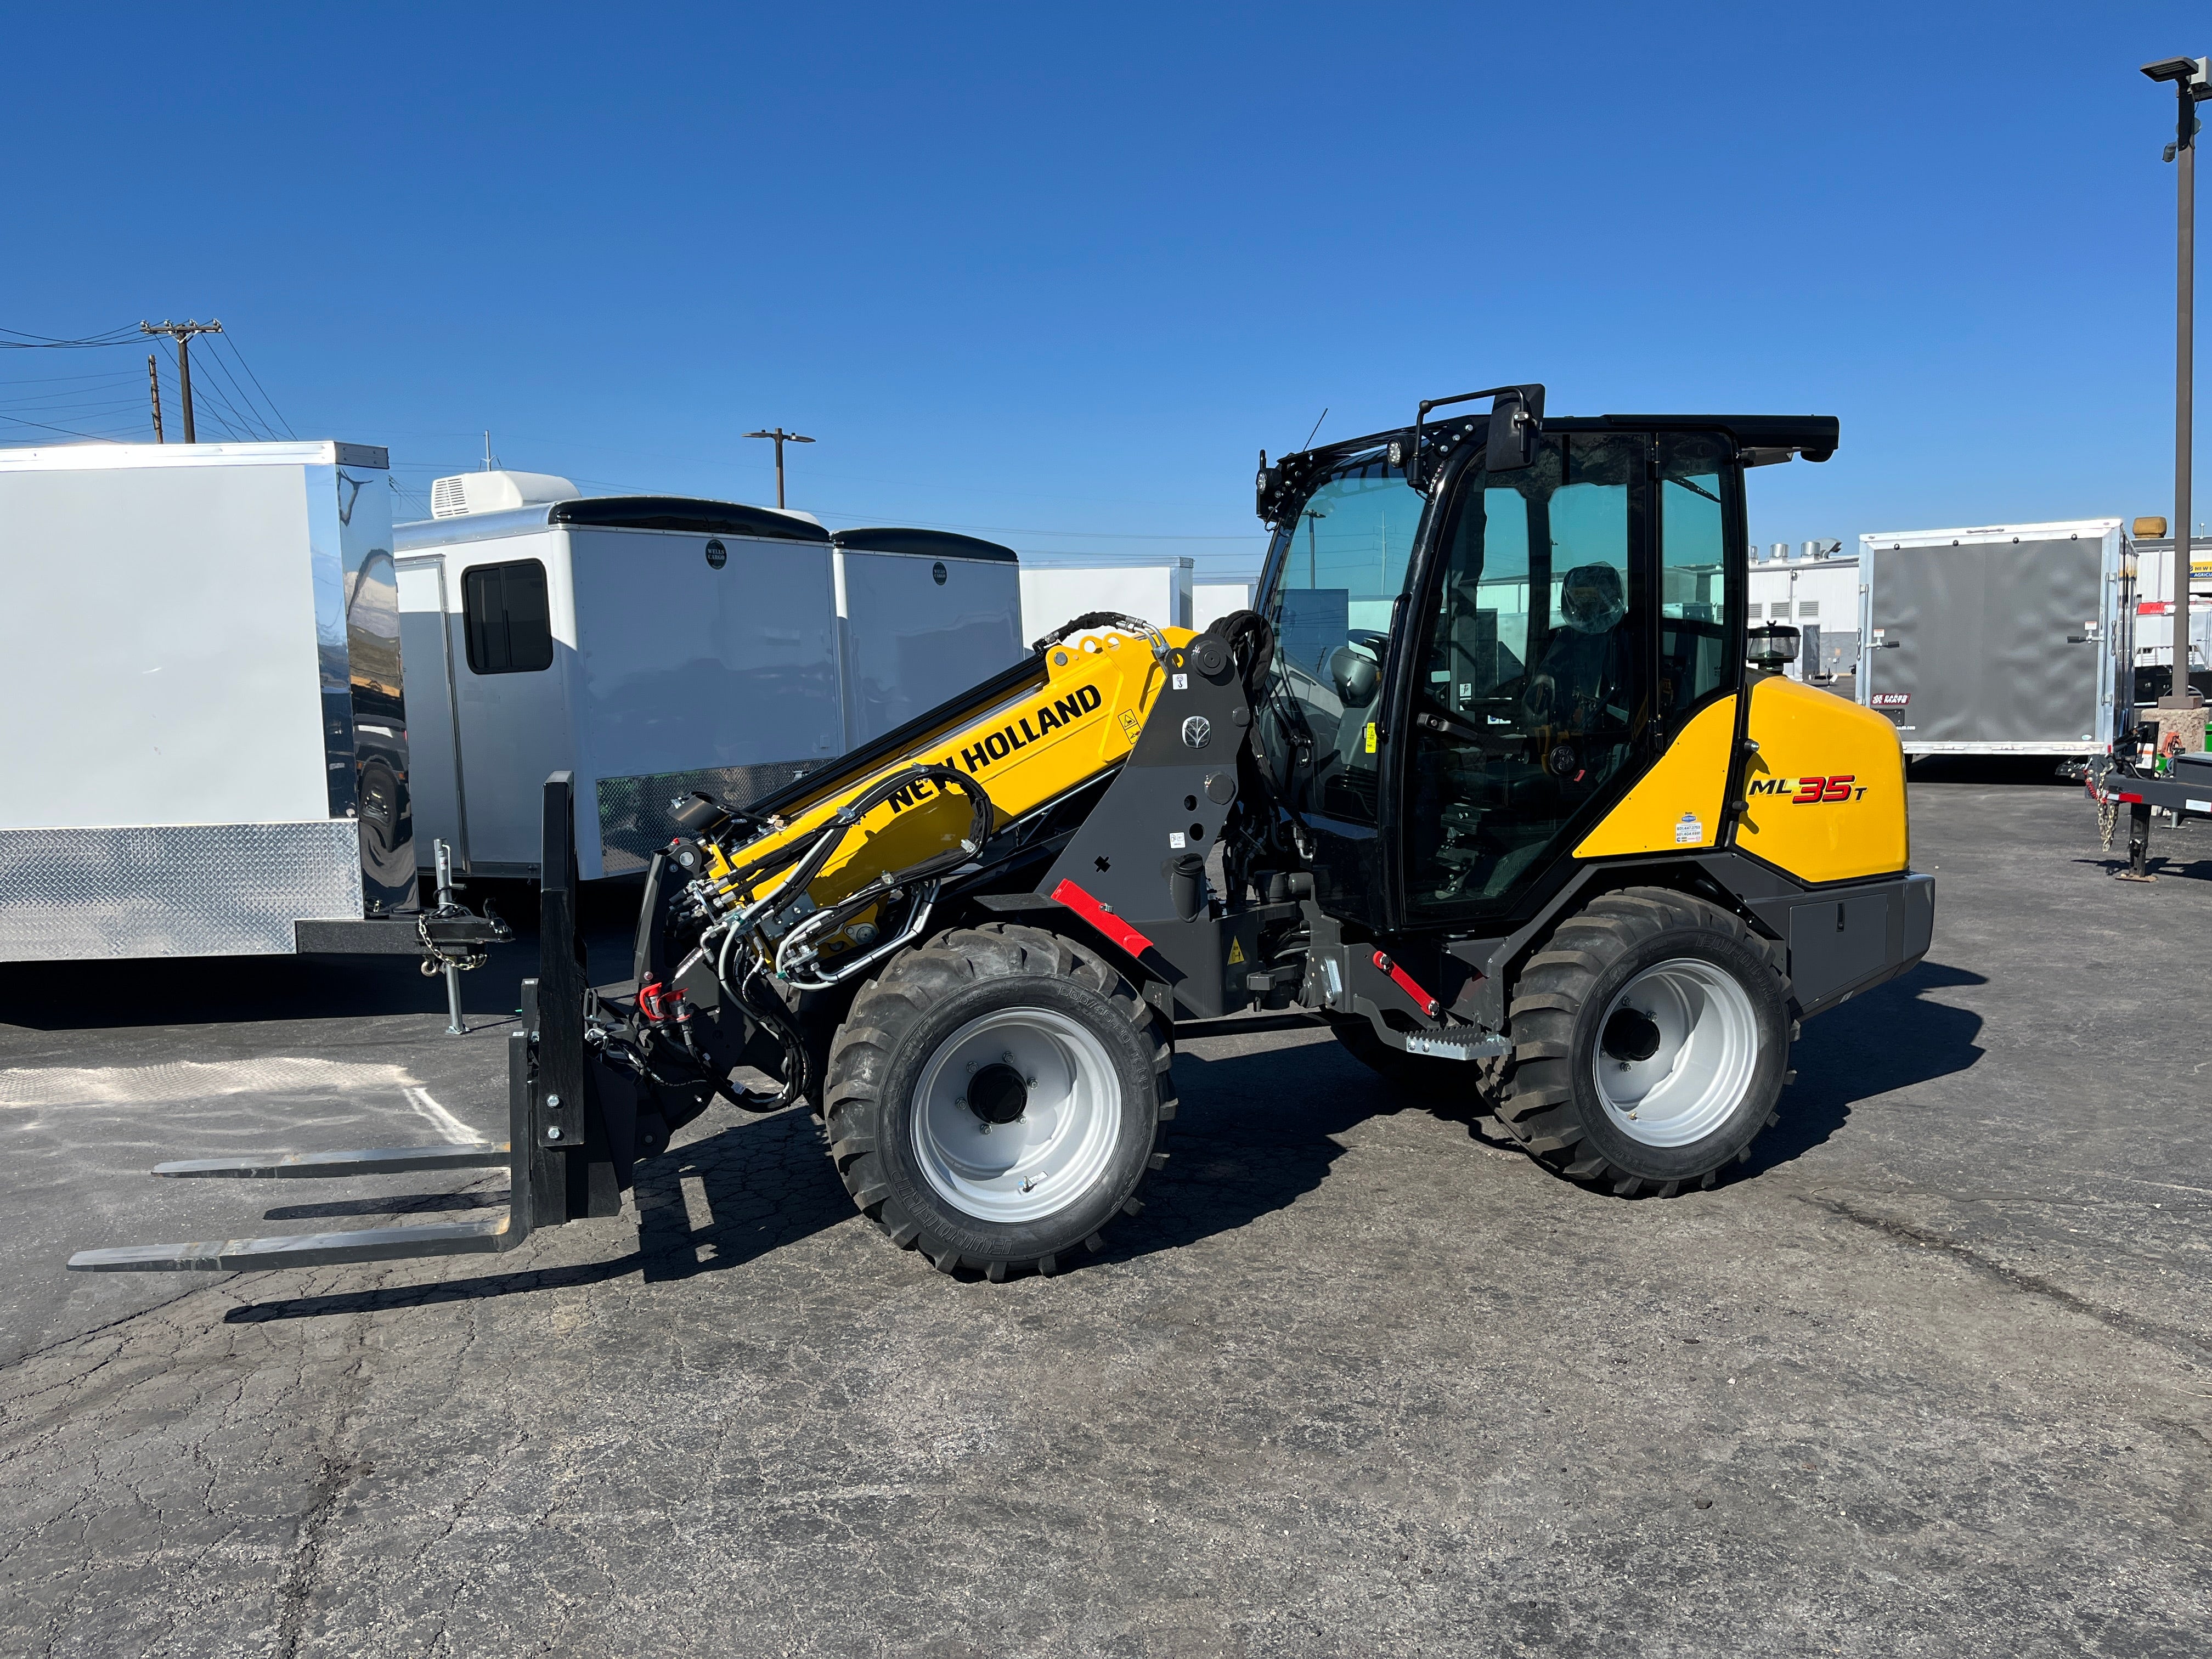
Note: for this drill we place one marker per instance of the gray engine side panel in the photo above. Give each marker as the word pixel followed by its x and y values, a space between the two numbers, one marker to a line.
pixel 192 889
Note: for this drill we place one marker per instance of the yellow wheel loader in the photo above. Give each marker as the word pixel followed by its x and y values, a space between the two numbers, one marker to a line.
pixel 1485 781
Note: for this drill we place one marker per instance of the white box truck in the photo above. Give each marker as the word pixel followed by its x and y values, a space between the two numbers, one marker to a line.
pixel 1158 593
pixel 1211 601
pixel 1999 639
pixel 205 750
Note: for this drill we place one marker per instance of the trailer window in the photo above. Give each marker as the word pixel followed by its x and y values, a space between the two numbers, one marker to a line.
pixel 509 625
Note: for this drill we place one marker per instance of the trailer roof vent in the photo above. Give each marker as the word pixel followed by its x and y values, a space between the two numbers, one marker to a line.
pixel 466 493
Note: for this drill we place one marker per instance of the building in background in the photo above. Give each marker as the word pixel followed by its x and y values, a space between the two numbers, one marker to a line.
pixel 1813 587
pixel 1054 594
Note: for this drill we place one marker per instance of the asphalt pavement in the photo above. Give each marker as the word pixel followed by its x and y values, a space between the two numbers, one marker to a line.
pixel 1930 1376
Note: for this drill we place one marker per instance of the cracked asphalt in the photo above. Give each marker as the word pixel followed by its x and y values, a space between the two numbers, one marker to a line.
pixel 1930 1377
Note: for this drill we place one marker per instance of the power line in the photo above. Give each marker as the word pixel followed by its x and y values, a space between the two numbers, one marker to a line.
pixel 58 380
pixel 14 339
pixel 70 430
pixel 232 342
pixel 240 422
pixel 50 403
pixel 249 417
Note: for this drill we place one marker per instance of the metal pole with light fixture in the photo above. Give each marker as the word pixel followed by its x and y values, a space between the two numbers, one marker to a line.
pixel 781 438
pixel 2191 85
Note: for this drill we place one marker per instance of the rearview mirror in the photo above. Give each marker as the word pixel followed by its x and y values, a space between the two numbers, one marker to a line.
pixel 1516 419
pixel 1513 428
pixel 1355 674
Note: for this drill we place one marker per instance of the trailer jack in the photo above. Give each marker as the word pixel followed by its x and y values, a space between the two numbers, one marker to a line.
pixel 561 1163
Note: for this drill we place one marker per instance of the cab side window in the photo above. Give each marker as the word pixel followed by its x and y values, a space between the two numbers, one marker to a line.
pixel 506 619
pixel 1695 589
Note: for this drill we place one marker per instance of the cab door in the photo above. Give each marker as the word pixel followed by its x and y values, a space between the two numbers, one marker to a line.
pixel 1336 578
pixel 1572 615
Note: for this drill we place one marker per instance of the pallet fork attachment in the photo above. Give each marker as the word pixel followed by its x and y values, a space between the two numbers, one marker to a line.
pixel 555 1153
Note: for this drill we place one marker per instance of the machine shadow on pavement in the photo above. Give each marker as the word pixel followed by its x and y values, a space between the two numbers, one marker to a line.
pixel 1890 1039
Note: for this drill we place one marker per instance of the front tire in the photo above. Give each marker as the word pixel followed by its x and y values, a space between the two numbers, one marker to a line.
pixel 996 1096
pixel 1651 1037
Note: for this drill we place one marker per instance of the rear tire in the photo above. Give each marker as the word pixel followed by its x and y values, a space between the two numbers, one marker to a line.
pixel 1652 1035
pixel 1069 1072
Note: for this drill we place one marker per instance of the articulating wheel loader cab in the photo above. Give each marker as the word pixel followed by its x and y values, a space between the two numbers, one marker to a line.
pixel 1486 783
pixel 1517 741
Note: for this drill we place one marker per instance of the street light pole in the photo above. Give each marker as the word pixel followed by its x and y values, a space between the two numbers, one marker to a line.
pixel 781 438
pixel 2191 85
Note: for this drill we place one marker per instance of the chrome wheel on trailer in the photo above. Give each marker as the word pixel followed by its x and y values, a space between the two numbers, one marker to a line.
pixel 1015 1111
pixel 1676 1052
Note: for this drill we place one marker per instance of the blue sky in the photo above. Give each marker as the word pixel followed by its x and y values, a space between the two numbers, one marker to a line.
pixel 1055 275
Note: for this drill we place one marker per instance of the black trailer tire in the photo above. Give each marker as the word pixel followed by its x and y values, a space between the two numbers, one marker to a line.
pixel 1012 1008
pixel 1651 1037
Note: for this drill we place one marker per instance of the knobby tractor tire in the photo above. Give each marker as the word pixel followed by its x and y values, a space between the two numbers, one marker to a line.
pixel 1647 989
pixel 973 1011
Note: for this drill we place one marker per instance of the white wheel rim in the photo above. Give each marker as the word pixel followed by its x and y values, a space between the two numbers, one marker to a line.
pixel 1704 1038
pixel 1043 1160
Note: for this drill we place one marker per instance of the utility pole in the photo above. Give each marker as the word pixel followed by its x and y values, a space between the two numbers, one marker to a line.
pixel 182 334
pixel 2193 86
pixel 154 386
pixel 1311 518
pixel 781 438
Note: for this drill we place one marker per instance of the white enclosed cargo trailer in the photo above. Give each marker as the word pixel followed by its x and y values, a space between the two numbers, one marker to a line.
pixel 650 645
pixel 922 614
pixel 205 753
pixel 1999 639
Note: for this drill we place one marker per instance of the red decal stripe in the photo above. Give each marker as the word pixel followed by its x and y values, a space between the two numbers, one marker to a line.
pixel 1422 999
pixel 1100 917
